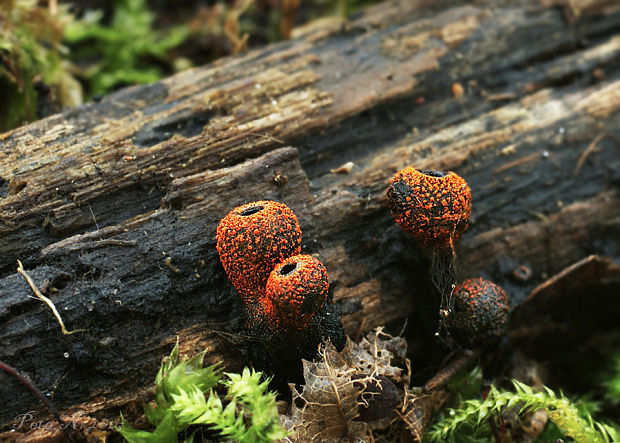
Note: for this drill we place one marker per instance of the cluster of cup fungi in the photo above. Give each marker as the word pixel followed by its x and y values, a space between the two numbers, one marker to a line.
pixel 285 293
pixel 434 208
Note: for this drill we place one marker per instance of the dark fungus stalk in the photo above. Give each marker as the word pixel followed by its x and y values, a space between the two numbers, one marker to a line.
pixel 38 394
pixel 284 293
pixel 434 208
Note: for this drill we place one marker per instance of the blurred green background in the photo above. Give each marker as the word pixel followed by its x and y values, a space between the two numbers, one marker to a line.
pixel 55 54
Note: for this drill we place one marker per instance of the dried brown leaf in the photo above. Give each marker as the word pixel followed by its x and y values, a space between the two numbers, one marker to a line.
pixel 328 404
pixel 418 410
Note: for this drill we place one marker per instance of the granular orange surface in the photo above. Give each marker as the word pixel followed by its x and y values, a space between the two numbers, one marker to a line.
pixel 434 207
pixel 296 290
pixel 251 240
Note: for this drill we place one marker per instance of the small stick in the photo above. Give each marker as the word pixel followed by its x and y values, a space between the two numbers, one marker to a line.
pixel 493 426
pixel 447 372
pixel 94 219
pixel 591 147
pixel 49 303
pixel 38 394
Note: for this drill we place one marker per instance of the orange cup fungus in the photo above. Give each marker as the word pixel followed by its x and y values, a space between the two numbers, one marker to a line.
pixel 252 239
pixel 284 294
pixel 296 290
pixel 479 313
pixel 434 207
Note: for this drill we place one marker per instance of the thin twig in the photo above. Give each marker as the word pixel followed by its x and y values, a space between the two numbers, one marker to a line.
pixel 493 426
pixel 49 303
pixel 590 149
pixel 93 214
pixel 76 246
pixel 269 137
pixel 446 373
pixel 38 394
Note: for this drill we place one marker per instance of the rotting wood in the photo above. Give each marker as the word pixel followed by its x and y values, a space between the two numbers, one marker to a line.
pixel 568 319
pixel 157 166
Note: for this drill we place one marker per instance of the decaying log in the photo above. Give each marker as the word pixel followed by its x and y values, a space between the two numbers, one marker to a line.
pixel 112 206
pixel 574 313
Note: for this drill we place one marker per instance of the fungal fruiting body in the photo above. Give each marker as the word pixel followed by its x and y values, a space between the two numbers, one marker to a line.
pixel 252 239
pixel 284 293
pixel 479 313
pixel 434 207
pixel 295 316
pixel 296 290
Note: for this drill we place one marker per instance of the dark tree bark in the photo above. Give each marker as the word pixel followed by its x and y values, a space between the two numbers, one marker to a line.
pixel 112 206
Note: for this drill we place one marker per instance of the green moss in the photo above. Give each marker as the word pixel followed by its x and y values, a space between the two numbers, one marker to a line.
pixel 469 421
pixel 127 51
pixel 247 412
pixel 612 382
pixel 31 53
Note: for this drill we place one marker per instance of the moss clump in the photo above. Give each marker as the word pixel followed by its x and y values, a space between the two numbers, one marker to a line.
pixel 466 422
pixel 34 78
pixel 125 52
pixel 247 412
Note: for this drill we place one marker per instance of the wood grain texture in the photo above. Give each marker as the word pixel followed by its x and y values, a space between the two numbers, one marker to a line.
pixel 112 206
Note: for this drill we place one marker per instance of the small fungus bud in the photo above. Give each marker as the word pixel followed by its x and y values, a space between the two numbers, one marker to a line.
pixel 254 238
pixel 434 207
pixel 296 290
pixel 479 313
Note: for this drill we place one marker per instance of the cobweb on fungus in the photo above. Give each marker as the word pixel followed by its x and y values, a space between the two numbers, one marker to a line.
pixel 442 267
